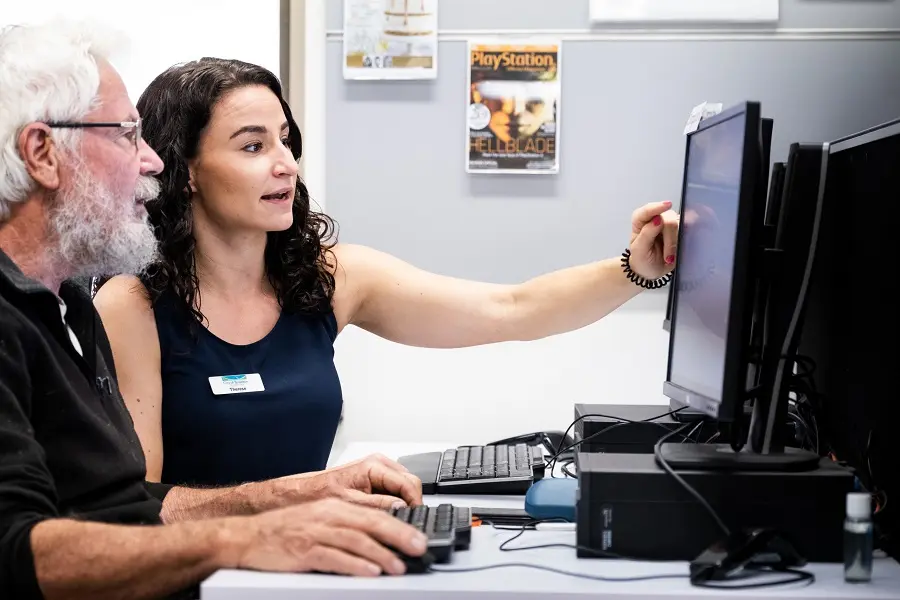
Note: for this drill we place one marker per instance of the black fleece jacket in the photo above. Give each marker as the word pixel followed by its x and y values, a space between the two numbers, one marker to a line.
pixel 68 448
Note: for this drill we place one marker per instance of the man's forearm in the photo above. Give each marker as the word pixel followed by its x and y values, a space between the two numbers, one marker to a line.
pixel 571 298
pixel 73 559
pixel 192 504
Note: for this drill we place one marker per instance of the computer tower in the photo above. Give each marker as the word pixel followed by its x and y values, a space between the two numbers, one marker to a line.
pixel 630 507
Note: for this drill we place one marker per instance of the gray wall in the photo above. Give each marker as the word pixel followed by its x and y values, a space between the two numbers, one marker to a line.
pixel 395 150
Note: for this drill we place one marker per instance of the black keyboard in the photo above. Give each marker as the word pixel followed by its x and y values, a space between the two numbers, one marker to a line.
pixel 446 526
pixel 493 469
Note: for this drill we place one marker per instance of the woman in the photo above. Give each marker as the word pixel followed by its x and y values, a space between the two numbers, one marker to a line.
pixel 224 348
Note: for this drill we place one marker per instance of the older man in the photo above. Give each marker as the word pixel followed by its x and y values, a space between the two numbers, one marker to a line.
pixel 74 506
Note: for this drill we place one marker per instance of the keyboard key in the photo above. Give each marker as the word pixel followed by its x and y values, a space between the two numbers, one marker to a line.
pixel 487 456
pixel 502 456
pixel 418 517
pixel 444 521
pixel 462 458
pixel 475 456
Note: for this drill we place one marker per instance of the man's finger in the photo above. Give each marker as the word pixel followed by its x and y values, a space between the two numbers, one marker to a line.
pixel 384 527
pixel 353 541
pixel 391 464
pixel 331 560
pixel 380 501
pixel 404 485
pixel 645 214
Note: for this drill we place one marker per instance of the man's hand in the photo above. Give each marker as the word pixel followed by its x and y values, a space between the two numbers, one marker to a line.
pixel 375 481
pixel 331 536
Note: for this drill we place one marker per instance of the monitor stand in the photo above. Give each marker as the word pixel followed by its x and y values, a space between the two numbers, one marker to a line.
pixel 720 457
pixel 755 455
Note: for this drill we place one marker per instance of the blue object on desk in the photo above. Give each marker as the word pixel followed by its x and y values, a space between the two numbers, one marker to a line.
pixel 552 498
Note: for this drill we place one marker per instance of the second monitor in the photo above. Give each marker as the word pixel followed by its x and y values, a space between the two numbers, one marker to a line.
pixel 723 286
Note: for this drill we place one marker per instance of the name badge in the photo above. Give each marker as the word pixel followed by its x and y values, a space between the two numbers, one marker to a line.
pixel 236 384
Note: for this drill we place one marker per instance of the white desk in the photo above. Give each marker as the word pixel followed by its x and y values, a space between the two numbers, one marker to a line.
pixel 523 582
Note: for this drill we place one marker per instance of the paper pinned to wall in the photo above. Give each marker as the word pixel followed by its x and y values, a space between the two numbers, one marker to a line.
pixel 390 39
pixel 513 107
pixel 685 11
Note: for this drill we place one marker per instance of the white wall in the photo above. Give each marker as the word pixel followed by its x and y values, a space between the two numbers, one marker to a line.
pixel 166 32
pixel 476 395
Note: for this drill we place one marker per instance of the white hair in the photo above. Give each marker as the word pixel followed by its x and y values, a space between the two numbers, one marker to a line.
pixel 48 72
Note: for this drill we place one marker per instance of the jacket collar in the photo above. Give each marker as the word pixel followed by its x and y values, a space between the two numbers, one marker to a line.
pixel 80 310
pixel 14 277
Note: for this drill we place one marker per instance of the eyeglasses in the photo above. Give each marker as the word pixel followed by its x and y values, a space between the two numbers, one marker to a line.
pixel 133 128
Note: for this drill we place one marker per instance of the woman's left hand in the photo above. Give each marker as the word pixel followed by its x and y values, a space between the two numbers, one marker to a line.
pixel 654 238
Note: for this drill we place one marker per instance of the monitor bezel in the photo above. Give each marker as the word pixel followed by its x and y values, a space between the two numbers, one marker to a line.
pixel 867 136
pixel 730 406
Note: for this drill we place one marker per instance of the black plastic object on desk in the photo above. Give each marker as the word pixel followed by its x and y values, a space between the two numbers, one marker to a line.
pixel 492 469
pixel 447 527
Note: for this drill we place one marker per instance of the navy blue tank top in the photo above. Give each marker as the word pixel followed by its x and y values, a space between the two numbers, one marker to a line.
pixel 228 438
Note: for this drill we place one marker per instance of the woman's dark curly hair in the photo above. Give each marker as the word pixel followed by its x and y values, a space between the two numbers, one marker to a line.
pixel 176 108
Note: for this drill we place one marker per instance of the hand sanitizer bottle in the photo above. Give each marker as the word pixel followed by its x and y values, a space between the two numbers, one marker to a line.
pixel 858 537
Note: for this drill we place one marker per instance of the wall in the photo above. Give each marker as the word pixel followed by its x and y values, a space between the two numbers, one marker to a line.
pixel 396 181
pixel 167 32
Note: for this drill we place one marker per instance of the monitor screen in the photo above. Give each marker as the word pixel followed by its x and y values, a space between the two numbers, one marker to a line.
pixel 706 253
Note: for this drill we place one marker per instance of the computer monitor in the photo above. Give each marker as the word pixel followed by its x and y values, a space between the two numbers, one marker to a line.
pixel 685 412
pixel 852 324
pixel 790 218
pixel 722 283
pixel 709 303
pixel 766 129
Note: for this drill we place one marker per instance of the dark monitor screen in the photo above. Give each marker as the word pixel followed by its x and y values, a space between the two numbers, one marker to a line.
pixel 709 301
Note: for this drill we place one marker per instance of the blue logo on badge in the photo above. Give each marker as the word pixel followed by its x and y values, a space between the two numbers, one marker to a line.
pixel 226 378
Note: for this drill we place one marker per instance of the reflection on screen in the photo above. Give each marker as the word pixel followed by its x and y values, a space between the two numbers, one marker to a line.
pixel 706 258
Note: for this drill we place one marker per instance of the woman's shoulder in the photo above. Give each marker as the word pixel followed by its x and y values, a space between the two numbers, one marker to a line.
pixel 123 298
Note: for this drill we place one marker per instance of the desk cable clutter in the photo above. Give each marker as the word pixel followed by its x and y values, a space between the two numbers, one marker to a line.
pixel 553 501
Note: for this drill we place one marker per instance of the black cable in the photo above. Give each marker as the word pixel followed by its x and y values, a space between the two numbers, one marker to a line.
pixel 550 463
pixel 565 469
pixel 799 576
pixel 523 528
pixel 662 462
pixel 690 434
pixel 560 572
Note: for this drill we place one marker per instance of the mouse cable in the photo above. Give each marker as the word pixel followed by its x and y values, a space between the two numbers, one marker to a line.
pixel 662 462
pixel 799 576
pixel 551 462
pixel 521 529
pixel 560 572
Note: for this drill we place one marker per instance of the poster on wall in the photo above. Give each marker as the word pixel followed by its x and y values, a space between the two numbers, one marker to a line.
pixel 513 107
pixel 390 39
pixel 696 11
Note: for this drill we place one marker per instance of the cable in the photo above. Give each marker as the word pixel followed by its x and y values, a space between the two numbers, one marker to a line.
pixel 696 429
pixel 561 572
pixel 806 576
pixel 551 462
pixel 799 575
pixel 565 469
pixel 523 528
pixel 657 451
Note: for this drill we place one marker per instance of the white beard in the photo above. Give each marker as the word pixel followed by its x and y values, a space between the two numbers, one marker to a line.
pixel 97 233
